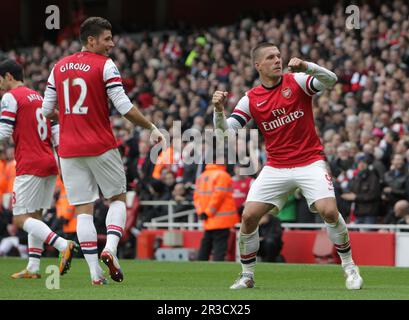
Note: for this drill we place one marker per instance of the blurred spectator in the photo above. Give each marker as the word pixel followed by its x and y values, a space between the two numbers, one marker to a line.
pixel 271 241
pixel 13 241
pixel 342 162
pixel 342 171
pixel 159 192
pixel 396 185
pixel 401 210
pixel 374 163
pixel 3 173
pixel 241 187
pixel 142 168
pixel 365 192
pixel 191 169
pixel 200 42
pixel 387 145
pixel 7 175
pixel 180 194
pixel 171 160
pixel 65 212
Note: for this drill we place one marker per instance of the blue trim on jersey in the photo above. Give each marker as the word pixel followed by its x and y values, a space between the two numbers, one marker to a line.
pixel 239 119
pixel 312 85
pixel 114 85
pixel 7 121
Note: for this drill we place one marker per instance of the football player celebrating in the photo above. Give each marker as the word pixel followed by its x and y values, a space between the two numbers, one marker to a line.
pixel 281 106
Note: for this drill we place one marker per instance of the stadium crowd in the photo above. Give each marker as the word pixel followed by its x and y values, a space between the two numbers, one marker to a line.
pixel 363 121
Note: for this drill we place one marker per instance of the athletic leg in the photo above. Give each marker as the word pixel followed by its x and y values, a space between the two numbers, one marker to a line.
pixel 268 193
pixel 82 191
pixel 338 233
pixel 109 174
pixel 317 186
pixel 249 242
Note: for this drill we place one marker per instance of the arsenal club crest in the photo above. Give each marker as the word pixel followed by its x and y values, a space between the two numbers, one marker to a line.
pixel 286 92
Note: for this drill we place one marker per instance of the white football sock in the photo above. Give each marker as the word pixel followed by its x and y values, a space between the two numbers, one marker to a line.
pixel 249 245
pixel 87 236
pixel 35 249
pixel 115 222
pixel 338 234
pixel 40 230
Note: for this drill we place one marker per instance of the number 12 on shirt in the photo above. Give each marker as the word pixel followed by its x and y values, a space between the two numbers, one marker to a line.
pixel 78 107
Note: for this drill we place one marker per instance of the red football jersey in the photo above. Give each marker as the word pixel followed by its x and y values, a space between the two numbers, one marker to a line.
pixel 81 81
pixel 21 109
pixel 284 116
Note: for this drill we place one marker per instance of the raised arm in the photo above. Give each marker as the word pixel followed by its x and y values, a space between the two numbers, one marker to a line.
pixel 239 117
pixel 311 77
pixel 325 76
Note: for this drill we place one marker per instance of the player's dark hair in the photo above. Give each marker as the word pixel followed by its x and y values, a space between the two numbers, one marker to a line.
pixel 12 67
pixel 93 27
pixel 257 48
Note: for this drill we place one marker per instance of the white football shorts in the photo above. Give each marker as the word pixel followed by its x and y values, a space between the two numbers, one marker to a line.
pixel 83 175
pixel 32 193
pixel 273 185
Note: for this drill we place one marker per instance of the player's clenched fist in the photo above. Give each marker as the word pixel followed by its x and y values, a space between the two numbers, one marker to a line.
pixel 158 137
pixel 297 65
pixel 219 100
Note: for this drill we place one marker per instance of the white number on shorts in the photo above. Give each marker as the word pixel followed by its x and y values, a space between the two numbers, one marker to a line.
pixel 42 125
pixel 78 108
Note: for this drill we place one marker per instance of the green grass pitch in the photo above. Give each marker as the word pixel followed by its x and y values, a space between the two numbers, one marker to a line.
pixel 153 280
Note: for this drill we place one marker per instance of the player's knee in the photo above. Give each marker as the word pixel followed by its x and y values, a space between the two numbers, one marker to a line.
pixel 37 215
pixel 249 218
pixel 330 215
pixel 19 221
pixel 327 208
pixel 119 197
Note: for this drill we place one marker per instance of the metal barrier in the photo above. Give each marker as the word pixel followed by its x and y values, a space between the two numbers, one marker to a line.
pixel 191 225
pixel 361 227
pixel 157 222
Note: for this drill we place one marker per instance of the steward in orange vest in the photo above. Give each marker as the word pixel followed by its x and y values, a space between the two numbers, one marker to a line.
pixel 214 203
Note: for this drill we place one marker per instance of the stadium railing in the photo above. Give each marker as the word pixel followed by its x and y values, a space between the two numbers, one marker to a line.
pixel 361 227
pixel 167 221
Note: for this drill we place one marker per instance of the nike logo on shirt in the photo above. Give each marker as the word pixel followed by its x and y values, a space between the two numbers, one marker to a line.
pixel 261 103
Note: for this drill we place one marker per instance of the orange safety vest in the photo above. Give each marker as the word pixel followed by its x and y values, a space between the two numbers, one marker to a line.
pixel 11 175
pixel 3 177
pixel 7 176
pixel 165 160
pixel 214 196
pixel 64 209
